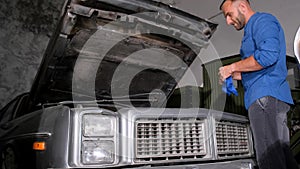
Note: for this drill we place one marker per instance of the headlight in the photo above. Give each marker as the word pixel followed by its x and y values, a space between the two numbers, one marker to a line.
pixel 98 125
pixel 98 139
pixel 98 152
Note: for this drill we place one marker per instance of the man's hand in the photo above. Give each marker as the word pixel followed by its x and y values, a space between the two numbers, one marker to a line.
pixel 236 76
pixel 246 65
pixel 225 72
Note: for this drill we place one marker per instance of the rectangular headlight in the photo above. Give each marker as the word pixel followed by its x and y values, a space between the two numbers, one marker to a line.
pixel 98 125
pixel 98 152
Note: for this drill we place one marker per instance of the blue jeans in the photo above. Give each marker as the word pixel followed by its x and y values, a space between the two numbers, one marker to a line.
pixel 268 121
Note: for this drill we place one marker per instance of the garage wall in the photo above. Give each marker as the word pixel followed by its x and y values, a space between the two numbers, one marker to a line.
pixel 25 29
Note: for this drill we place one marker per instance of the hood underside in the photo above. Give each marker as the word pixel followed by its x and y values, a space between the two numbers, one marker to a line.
pixel 130 52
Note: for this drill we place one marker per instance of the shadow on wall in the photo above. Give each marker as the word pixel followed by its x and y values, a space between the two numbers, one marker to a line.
pixel 25 29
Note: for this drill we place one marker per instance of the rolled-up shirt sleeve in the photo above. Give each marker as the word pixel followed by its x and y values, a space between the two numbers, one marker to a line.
pixel 266 37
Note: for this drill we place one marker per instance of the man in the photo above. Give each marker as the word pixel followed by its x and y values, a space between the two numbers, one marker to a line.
pixel 263 72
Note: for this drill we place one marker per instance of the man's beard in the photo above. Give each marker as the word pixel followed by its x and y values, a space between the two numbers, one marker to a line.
pixel 240 21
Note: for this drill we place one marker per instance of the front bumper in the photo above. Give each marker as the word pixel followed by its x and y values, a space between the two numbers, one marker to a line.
pixel 236 164
pixel 233 164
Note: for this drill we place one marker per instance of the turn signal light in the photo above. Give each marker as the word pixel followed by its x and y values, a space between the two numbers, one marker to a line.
pixel 40 146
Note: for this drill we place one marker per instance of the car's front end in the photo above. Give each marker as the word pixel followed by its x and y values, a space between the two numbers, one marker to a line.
pixel 151 138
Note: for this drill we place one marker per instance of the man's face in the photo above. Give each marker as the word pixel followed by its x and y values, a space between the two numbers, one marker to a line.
pixel 233 15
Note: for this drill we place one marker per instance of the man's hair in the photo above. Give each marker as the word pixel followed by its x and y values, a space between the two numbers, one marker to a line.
pixel 229 0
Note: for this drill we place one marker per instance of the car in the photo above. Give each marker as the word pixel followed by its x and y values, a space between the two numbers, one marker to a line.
pixel 100 97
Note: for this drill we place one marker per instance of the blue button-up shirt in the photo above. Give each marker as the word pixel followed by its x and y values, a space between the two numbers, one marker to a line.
pixel 264 39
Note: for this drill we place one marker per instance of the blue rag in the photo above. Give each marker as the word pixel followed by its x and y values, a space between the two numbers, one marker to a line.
pixel 228 87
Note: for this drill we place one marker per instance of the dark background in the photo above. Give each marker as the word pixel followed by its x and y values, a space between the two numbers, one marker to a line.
pixel 25 29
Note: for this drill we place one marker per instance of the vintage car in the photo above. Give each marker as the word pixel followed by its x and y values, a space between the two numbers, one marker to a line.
pixel 100 97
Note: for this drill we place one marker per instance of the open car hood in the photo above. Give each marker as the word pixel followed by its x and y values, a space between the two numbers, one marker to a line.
pixel 129 52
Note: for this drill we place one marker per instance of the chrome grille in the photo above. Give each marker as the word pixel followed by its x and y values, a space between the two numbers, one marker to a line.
pixel 232 139
pixel 165 139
